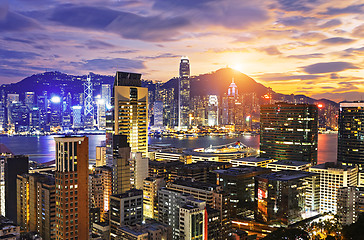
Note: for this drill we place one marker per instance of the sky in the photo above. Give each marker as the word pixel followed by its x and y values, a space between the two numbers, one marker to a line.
pixel 310 47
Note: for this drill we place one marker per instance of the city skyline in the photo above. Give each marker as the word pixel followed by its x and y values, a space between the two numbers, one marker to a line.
pixel 303 47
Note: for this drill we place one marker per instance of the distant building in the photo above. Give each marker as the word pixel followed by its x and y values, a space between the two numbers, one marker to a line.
pixel 11 166
pixel 351 134
pixel 281 197
pixel 77 117
pixel 125 209
pixel 8 229
pixel 100 156
pixel 213 111
pixel 151 185
pixel 289 132
pixel 151 230
pixel 289 165
pixel 177 210
pixel 139 169
pixel 332 178
pixel 72 200
pixel 105 173
pixel 102 229
pixel 121 165
pixel 239 183
pixel 131 110
pixel 36 204
pixel 184 93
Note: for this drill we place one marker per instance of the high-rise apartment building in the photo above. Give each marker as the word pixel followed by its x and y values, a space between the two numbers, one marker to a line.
pixel 332 178
pixel 139 169
pixel 151 185
pixel 131 110
pixel 36 204
pixel 11 166
pixel 281 197
pixel 184 92
pixel 105 173
pixel 121 165
pixel 183 213
pixel 289 132
pixel 125 209
pixel 351 134
pixel 72 200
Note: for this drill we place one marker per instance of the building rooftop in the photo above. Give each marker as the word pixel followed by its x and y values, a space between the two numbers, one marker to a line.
pixel 253 159
pixel 239 171
pixel 290 163
pixel 131 193
pixel 333 165
pixel 286 175
pixel 194 184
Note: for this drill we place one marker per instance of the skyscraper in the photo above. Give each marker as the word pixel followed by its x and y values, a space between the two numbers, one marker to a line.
pixel 72 212
pixel 130 102
pixel 184 92
pixel 12 165
pixel 351 134
pixel 121 166
pixel 88 104
pixel 36 204
pixel 289 132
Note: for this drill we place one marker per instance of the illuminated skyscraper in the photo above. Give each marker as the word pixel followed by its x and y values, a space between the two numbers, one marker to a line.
pixel 29 99
pixel 131 110
pixel 77 117
pixel 351 134
pixel 88 104
pixel 36 204
pixel 213 111
pixel 184 92
pixel 72 211
pixel 289 132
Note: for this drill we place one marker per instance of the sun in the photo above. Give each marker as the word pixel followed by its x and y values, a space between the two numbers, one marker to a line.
pixel 237 67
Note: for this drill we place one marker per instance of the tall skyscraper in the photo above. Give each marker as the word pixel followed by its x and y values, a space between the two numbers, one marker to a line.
pixel 184 92
pixel 72 212
pixel 88 104
pixel 106 93
pixel 12 166
pixel 289 132
pixel 121 165
pixel 351 134
pixel 125 209
pixel 213 111
pixel 131 110
pixel 36 204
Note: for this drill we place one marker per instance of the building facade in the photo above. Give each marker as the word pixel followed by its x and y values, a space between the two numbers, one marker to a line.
pixel 351 134
pixel 184 93
pixel 131 110
pixel 289 132
pixel 71 177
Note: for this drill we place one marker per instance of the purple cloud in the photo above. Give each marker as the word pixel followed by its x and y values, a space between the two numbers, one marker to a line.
pixel 128 25
pixel 337 40
pixel 307 56
pixel 297 21
pixel 331 23
pixel 97 44
pixel 296 5
pixel 109 64
pixel 12 22
pixel 328 67
pixel 10 54
pixel 233 14
pixel 347 10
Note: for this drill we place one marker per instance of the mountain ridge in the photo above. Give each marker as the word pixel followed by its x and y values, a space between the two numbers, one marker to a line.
pixel 216 83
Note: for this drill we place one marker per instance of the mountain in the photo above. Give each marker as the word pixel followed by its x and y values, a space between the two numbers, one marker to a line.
pixel 219 81
pixel 215 83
